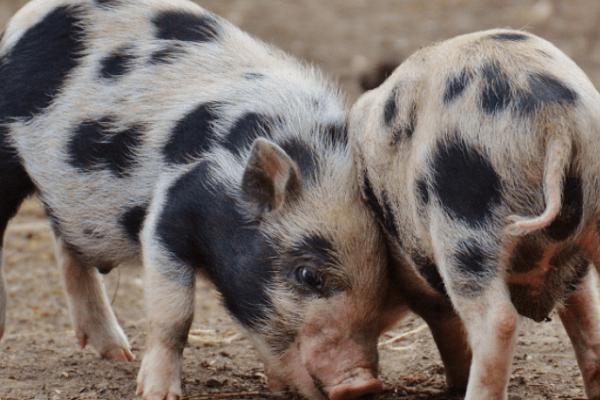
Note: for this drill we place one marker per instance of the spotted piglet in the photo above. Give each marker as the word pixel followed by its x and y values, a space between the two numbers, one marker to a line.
pixel 479 156
pixel 156 129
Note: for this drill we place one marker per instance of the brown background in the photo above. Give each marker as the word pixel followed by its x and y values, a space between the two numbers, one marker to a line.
pixel 39 358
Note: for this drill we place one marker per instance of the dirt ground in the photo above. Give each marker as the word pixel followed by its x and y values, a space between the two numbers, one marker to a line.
pixel 39 358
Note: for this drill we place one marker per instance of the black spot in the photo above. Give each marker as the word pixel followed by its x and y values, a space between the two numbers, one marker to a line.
pixel 545 90
pixel 108 3
pixel 245 130
pixel 412 121
pixel 202 228
pixel 252 76
pixel 317 248
pixel 382 210
pixel 303 155
pixel 406 129
pixel 132 221
pixel 456 85
pixel 193 135
pixel 94 146
pixel 428 270
pixel 166 55
pixel 390 109
pixel 14 181
pixel 185 26
pixel 465 182
pixel 509 37
pixel 372 200
pixel 550 90
pixel 475 264
pixel 526 255
pixel 337 134
pixel 470 258
pixel 117 64
pixel 422 192
pixel 35 69
pixel 497 92
pixel 121 155
pixel 569 218
pixel 390 220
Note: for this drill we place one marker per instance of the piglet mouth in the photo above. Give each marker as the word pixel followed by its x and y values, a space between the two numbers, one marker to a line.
pixel 360 383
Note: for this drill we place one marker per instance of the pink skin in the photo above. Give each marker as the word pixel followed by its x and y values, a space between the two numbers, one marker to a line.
pixel 334 355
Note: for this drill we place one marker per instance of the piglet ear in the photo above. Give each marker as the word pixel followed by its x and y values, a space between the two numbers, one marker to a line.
pixel 271 177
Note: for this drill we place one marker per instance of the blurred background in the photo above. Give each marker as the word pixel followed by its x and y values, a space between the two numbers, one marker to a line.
pixel 353 41
pixel 347 37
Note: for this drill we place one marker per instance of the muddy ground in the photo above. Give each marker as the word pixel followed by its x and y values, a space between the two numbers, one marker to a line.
pixel 39 358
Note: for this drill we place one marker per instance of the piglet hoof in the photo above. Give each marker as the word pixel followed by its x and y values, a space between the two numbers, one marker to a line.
pixel 160 376
pixel 118 354
pixel 110 344
pixel 591 378
pixel 156 394
pixel 82 338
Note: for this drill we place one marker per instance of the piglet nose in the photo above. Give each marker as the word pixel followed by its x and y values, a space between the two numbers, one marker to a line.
pixel 358 387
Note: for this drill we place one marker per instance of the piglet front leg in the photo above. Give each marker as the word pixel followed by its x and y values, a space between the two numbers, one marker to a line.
pixel 169 309
pixel 451 341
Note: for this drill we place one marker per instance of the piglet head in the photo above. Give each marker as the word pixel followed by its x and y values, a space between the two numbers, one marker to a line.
pixel 319 336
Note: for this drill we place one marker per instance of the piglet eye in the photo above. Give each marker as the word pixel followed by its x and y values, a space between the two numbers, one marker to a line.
pixel 308 277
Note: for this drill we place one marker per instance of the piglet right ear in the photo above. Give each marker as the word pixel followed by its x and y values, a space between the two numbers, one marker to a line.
pixel 271 177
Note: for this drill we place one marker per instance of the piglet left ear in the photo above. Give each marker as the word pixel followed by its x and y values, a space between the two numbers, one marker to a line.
pixel 271 177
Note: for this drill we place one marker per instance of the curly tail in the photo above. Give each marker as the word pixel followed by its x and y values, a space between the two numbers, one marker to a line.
pixel 558 157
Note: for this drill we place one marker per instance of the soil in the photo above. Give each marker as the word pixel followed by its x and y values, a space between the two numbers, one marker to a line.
pixel 39 357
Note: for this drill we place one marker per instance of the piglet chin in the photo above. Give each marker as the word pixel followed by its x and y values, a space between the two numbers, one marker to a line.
pixel 361 383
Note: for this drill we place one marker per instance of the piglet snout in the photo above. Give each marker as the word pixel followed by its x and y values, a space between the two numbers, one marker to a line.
pixel 361 382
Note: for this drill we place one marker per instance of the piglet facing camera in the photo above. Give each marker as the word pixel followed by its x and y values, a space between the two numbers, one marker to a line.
pixel 478 158
pixel 157 130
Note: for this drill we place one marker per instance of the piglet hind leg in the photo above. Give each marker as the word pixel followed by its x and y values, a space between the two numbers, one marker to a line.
pixel 580 316
pixel 482 300
pixel 491 323
pixel 169 298
pixel 93 319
